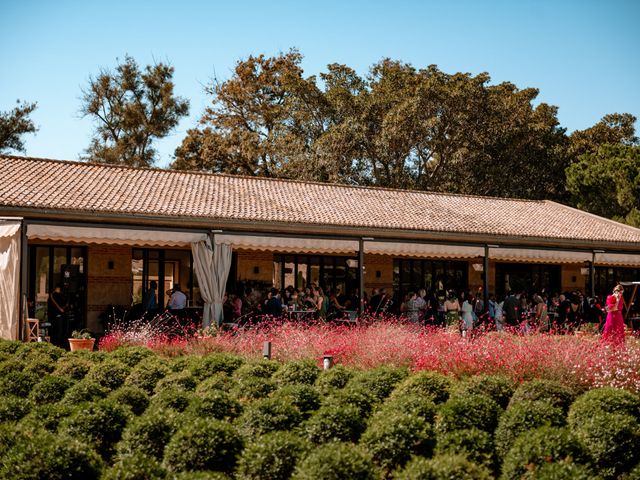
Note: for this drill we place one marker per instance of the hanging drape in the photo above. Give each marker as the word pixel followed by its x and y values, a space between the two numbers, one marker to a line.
pixel 203 266
pixel 221 267
pixel 9 280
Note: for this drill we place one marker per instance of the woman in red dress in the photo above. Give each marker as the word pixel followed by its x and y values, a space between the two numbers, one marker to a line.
pixel 614 326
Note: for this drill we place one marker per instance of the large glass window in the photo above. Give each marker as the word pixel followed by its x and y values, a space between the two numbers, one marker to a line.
pixel 432 275
pixel 328 272
pixel 608 277
pixel 525 277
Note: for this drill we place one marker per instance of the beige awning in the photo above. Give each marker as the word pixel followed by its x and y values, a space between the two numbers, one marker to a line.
pixel 113 236
pixel 618 259
pixel 429 250
pixel 287 244
pixel 538 256
pixel 10 240
pixel 8 229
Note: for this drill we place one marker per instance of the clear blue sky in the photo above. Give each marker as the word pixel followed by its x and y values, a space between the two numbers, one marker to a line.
pixel 583 55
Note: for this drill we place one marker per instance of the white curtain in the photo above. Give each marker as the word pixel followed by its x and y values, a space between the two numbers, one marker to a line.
pixel 9 280
pixel 221 267
pixel 203 266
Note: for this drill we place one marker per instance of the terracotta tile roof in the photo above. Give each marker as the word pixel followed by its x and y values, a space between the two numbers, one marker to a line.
pixel 77 187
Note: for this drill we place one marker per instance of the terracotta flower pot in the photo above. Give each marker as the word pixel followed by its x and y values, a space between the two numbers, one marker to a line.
pixel 81 344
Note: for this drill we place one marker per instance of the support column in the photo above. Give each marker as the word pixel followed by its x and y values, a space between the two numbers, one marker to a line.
pixel 361 273
pixel 485 270
pixel 24 266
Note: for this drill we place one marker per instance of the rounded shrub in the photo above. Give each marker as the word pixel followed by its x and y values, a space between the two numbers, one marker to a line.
pixel 271 457
pixel 72 366
pixel 603 400
pixel 28 350
pixel 147 373
pixel 476 445
pixel 184 363
pixel 50 390
pixel 132 355
pixel 299 372
pixel 411 403
pixel 84 391
pixel 11 366
pixel 364 401
pixel 443 467
pixel 18 383
pixel 204 444
pixel 612 441
pixel 253 388
pixel 220 382
pixel 47 416
pixel 200 476
pixel 99 424
pixel 336 460
pixel 426 383
pixel 135 467
pixel 109 374
pixel 13 408
pixel 149 433
pixel 522 417
pixel 214 404
pixel 304 397
pixel 334 423
pixel 554 393
pixel 216 363
pixel 10 346
pixel 262 369
pixel 173 398
pixel 181 380
pixel 46 456
pixel 539 447
pixel 496 387
pixel 461 412
pixel 134 398
pixel 380 381
pixel 267 415
pixel 560 471
pixel 333 379
pixel 40 364
pixel 393 438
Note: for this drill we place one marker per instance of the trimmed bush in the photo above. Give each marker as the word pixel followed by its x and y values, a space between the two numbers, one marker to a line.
pixel 496 387
pixel 304 397
pixel 336 461
pixel 50 390
pixel 432 384
pixel 185 362
pixel 524 416
pixel 267 415
pixel 200 476
pixel 204 444
pixel 300 372
pixel 364 401
pixel 11 366
pixel 13 408
pixel 28 350
pixel 411 403
pixel 84 391
pixel 133 397
pixel 443 467
pixel 271 457
pixel 220 382
pixel 549 391
pixel 173 398
pixel 40 364
pixel 109 374
pixel 132 355
pixel 149 433
pixel 603 400
pixel 334 378
pixel 539 447
pixel 47 416
pixel 380 381
pixel 393 438
pixel 182 380
pixel 214 404
pixel 46 456
pixel 72 366
pixel 476 445
pixel 253 388
pixel 18 383
pixel 100 424
pixel 262 369
pixel 560 471
pixel 468 411
pixel 612 441
pixel 136 467
pixel 147 374
pixel 334 423
pixel 9 346
pixel 216 363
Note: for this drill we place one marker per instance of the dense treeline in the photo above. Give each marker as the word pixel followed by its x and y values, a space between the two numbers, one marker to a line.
pixel 398 126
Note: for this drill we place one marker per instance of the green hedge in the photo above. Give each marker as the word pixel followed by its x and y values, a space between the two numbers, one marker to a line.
pixel 335 461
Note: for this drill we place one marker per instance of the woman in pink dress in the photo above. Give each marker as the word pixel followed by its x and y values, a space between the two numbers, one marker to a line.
pixel 614 326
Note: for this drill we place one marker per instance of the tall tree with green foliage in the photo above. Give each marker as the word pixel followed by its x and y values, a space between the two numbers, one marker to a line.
pixel 612 129
pixel 14 124
pixel 132 108
pixel 607 182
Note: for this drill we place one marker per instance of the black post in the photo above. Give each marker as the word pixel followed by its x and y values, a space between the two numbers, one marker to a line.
pixel 23 279
pixel 361 273
pixel 485 270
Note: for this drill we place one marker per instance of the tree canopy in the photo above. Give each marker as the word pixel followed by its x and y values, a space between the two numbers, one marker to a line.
pixel 132 108
pixel 14 124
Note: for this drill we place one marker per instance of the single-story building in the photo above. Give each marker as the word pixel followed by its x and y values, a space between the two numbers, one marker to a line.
pixel 104 232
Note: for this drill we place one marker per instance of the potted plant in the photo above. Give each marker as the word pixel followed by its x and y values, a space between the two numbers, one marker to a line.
pixel 81 340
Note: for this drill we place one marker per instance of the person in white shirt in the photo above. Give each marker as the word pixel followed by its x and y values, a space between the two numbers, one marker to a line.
pixel 178 300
